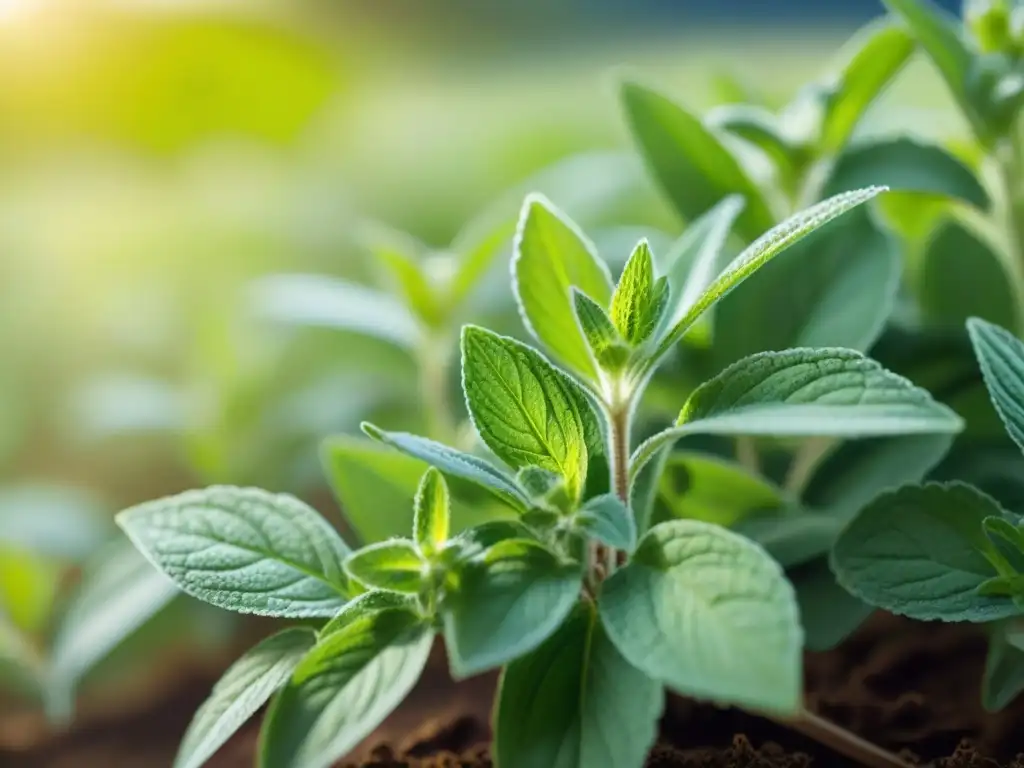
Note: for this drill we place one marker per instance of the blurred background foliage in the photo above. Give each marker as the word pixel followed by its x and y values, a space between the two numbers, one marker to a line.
pixel 157 157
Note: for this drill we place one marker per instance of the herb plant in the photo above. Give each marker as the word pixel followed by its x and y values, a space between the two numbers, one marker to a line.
pixel 574 592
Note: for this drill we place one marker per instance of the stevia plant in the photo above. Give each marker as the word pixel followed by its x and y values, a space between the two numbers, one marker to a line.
pixel 590 610
pixel 949 551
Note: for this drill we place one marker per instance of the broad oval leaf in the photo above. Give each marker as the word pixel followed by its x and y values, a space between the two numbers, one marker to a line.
pixel 394 565
pixel 763 250
pixel 1001 357
pixel 454 463
pixel 838 286
pixel 574 702
pixel 877 53
pixel 245 687
pixel 244 549
pixel 525 409
pixel 710 614
pixel 507 603
pixel 343 689
pixel 955 256
pixel 805 393
pixel 432 511
pixel 905 164
pixel 692 165
pixel 551 256
pixel 919 552
pixel 608 520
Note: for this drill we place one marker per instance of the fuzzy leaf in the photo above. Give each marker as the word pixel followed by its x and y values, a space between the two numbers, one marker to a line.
pixel 551 256
pixel 638 301
pixel 877 54
pixel 574 702
pixel 906 165
pixel 608 520
pixel 374 601
pixel 763 250
pixel 394 565
pixel 805 393
pixel 454 463
pixel 609 350
pixel 245 687
pixel 525 410
pixel 1001 357
pixel 431 518
pixel 709 614
pixel 342 690
pixel 244 549
pixel 508 602
pixel 919 552
pixel 690 163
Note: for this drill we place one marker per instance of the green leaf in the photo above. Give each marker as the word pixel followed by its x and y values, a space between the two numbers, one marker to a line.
pixel 551 256
pixel 905 164
pixel 710 614
pixel 920 552
pixel 953 257
pixel 119 591
pixel 763 250
pixel 29 583
pixel 411 283
pixel 507 603
pixel 454 463
pixel 693 167
pixel 432 511
pixel 395 565
pixel 1004 669
pixel 525 409
pixel 574 702
pixel 363 605
pixel 805 393
pixel 244 549
pixel 376 487
pixel 342 690
pixel 608 520
pixel 759 127
pixel 1001 357
pixel 609 350
pixel 828 613
pixel 795 538
pixel 244 688
pixel 638 300
pixel 939 34
pixel 838 286
pixel 700 486
pixel 877 53
pixel 694 261
pixel 325 302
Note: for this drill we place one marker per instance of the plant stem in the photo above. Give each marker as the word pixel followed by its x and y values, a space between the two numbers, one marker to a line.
pixel 1010 161
pixel 807 459
pixel 842 741
pixel 746 454
pixel 433 358
pixel 619 423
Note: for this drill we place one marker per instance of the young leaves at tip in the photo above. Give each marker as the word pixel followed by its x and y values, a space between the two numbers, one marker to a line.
pixel 639 299
pixel 245 550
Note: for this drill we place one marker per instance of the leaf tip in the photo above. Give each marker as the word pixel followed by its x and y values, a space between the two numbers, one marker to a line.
pixel 371 430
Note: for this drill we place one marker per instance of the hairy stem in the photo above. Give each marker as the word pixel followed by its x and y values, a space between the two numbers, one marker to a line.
pixel 619 423
pixel 842 741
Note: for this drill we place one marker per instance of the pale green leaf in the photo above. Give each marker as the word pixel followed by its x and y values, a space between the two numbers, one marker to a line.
pixel 638 299
pixel 402 259
pixel 574 702
pixel 905 164
pixel 692 165
pixel 245 687
pixel 507 603
pixel 609 350
pixel 342 690
pixel 394 565
pixel 872 59
pixel 551 256
pixel 244 549
pixel 759 127
pixel 920 552
pixel 454 463
pixel 1001 357
pixel 838 286
pixel 710 614
pixel 608 520
pixel 1004 668
pixel 805 393
pixel 432 511
pixel 955 256
pixel 525 409
pixel 763 250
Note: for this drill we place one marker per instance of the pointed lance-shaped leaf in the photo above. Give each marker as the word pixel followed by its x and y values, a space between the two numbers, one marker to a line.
pixel 431 517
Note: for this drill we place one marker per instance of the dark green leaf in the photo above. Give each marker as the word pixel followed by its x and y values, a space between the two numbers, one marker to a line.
pixel 759 127
pixel 1001 357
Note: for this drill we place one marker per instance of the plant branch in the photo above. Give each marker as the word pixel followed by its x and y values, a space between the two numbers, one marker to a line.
pixel 842 741
pixel 746 454
pixel 806 460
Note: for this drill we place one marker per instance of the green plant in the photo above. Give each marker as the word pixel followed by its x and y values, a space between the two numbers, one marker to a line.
pixel 574 587
pixel 949 551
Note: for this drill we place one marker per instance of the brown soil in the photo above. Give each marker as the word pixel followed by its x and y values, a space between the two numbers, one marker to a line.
pixel 913 688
